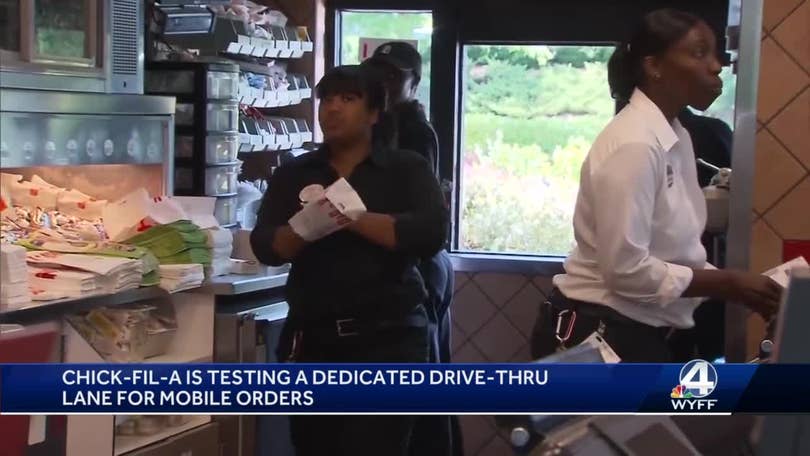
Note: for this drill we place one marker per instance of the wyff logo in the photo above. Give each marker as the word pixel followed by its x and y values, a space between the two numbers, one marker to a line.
pixel 697 380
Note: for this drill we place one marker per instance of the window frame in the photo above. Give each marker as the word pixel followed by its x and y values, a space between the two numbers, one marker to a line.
pixel 27 59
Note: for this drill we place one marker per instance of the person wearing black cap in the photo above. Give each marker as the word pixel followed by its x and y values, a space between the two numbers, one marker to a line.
pixel 355 295
pixel 399 66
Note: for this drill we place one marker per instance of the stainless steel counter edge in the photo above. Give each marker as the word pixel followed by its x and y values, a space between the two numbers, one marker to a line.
pixel 234 284
pixel 55 309
pixel 42 101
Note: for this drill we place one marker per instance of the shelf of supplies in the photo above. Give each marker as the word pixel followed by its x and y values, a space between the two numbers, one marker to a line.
pixel 126 443
pixel 262 143
pixel 42 309
pixel 194 309
pixel 230 36
pixel 260 98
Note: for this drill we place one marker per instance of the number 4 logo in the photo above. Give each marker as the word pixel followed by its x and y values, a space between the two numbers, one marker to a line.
pixel 698 377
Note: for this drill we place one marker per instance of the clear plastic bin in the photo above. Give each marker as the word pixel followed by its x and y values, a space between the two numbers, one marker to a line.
pixel 221 149
pixel 184 114
pixel 221 180
pixel 184 146
pixel 170 81
pixel 222 85
pixel 225 210
pixel 222 116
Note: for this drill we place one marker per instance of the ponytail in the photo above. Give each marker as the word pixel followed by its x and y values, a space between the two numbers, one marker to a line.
pixel 624 73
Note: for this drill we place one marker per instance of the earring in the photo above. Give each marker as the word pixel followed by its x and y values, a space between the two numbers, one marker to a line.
pixel 657 75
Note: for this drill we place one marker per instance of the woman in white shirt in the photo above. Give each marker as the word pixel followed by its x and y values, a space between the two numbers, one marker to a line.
pixel 639 269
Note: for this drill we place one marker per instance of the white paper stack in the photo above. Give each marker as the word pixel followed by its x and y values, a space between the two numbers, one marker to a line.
pixel 67 283
pixel 77 275
pixel 14 287
pixel 179 277
pixel 220 240
pixel 123 280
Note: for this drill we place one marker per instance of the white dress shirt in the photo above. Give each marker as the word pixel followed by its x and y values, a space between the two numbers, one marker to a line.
pixel 638 220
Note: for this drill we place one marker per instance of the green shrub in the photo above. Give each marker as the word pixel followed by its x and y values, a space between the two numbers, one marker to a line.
pixel 519 199
pixel 513 91
pixel 545 132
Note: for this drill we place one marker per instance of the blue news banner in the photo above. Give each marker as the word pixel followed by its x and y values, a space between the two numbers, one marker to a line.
pixel 696 387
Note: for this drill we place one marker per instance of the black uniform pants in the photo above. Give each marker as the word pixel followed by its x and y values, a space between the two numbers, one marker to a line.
pixel 632 341
pixel 358 435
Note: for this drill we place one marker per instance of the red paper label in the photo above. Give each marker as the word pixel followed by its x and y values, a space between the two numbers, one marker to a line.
pixel 143 225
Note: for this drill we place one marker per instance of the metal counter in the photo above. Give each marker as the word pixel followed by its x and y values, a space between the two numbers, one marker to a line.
pixel 235 284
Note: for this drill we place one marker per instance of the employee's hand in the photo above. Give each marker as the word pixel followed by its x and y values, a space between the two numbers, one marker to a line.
pixel 341 220
pixel 758 292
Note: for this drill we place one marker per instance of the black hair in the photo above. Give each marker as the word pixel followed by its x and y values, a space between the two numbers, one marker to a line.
pixel 363 82
pixel 657 32
pixel 355 80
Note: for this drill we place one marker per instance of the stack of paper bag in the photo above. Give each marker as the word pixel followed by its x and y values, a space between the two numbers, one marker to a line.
pixel 179 277
pixel 77 275
pixel 149 262
pixel 220 241
pixel 179 242
pixel 14 286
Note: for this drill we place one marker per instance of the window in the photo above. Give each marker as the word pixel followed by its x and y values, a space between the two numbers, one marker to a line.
pixel 50 31
pixel 375 27
pixel 529 116
pixel 62 29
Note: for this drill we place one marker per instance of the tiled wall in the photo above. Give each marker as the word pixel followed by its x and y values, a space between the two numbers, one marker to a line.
pixel 493 316
pixel 782 163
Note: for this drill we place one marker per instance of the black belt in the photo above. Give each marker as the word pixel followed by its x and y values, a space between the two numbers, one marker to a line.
pixel 561 303
pixel 351 327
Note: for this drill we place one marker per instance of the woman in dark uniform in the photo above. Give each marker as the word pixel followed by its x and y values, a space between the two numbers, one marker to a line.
pixel 355 295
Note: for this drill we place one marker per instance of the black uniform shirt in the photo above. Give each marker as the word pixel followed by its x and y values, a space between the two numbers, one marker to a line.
pixel 711 140
pixel 414 132
pixel 344 275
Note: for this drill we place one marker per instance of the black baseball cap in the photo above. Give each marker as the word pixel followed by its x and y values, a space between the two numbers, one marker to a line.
pixel 400 55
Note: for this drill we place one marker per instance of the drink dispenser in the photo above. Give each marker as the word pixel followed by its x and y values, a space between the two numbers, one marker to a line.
pixel 717 198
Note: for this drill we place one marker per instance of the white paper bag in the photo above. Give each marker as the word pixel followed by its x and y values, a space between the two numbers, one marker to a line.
pixel 28 194
pixel 322 217
pixel 781 273
pixel 137 212
pixel 6 181
pixel 199 209
pixel 76 203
